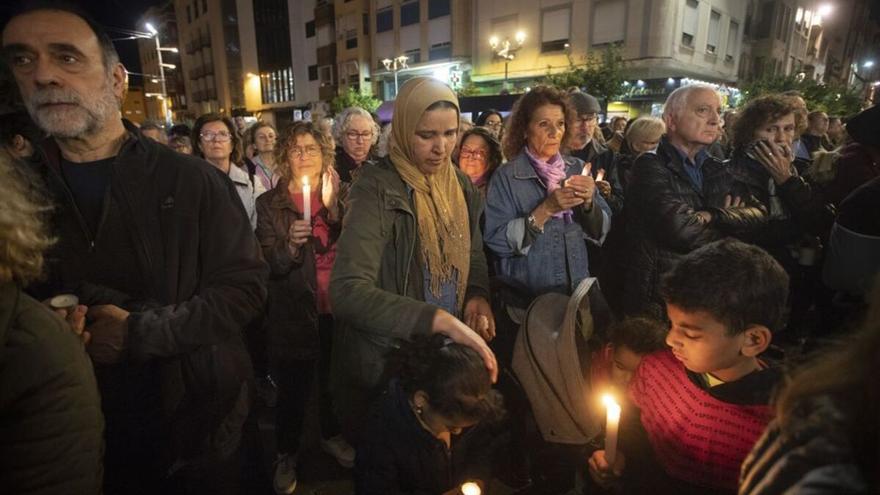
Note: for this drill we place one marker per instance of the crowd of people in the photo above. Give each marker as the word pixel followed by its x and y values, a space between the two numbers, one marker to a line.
pixel 714 269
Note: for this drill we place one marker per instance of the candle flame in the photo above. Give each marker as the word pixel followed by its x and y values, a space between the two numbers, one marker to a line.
pixel 470 488
pixel 610 403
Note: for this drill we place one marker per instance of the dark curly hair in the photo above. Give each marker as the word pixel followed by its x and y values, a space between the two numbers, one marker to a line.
pixel 638 334
pixel 758 113
pixel 495 157
pixel 521 115
pixel 236 156
pixel 738 284
pixel 453 376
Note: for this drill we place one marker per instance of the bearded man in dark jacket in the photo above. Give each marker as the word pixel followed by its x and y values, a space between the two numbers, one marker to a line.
pixel 679 199
pixel 159 247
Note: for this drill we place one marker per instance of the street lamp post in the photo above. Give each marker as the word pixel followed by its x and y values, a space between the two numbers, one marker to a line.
pixel 395 65
pixel 162 66
pixel 505 51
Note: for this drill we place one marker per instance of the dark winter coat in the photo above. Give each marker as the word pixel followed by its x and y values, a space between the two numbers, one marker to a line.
pixel 662 221
pixel 292 315
pixel 51 427
pixel 397 456
pixel 812 454
pixel 175 248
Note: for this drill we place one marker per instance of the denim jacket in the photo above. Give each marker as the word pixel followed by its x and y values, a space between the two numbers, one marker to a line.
pixel 552 261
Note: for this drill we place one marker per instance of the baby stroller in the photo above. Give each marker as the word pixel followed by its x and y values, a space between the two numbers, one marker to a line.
pixel 551 369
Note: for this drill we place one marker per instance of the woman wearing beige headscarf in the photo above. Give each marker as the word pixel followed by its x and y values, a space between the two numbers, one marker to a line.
pixel 410 259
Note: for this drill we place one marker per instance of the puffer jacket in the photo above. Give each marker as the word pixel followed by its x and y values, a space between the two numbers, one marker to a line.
pixel 812 454
pixel 51 426
pixel 662 221
pixel 174 247
pixel 376 288
pixel 292 315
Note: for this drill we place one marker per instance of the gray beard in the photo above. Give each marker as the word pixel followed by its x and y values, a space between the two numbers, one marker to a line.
pixel 83 117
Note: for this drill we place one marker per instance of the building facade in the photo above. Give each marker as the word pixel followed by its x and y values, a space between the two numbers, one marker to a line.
pixel 211 54
pixel 434 35
pixel 274 34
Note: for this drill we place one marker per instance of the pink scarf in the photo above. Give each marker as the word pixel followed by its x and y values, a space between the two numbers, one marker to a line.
pixel 552 172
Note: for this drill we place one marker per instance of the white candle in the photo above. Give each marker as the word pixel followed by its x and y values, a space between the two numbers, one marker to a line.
pixel 307 200
pixel 470 488
pixel 600 174
pixel 611 426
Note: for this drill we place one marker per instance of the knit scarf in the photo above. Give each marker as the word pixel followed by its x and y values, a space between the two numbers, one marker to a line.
pixel 441 210
pixel 552 172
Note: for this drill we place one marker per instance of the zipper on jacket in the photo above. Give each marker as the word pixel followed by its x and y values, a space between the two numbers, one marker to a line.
pixel 412 249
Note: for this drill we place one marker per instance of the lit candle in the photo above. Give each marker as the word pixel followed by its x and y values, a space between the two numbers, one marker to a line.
pixel 307 200
pixel 470 488
pixel 613 422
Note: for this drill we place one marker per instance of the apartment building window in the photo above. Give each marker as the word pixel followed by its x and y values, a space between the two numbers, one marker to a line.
pixel 313 73
pixel 277 86
pixel 409 13
pixel 414 56
pixel 609 22
pixel 384 20
pixel 783 21
pixel 325 75
pixel 689 24
pixel 310 29
pixel 732 41
pixel 555 26
pixel 438 8
pixel 189 16
pixel 440 51
pixel 714 32
pixel 204 6
pixel 195 6
pixel 351 40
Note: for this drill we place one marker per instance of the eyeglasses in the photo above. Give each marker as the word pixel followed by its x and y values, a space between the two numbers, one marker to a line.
pixel 307 151
pixel 473 154
pixel 493 125
pixel 585 118
pixel 220 137
pixel 354 135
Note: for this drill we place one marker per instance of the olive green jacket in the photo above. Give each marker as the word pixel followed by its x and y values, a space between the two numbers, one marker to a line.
pixel 377 284
pixel 51 427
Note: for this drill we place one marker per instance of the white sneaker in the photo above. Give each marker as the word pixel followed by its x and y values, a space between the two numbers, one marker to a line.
pixel 340 449
pixel 285 475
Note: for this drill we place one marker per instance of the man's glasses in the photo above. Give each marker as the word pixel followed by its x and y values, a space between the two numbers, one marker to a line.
pixel 307 151
pixel 220 137
pixel 472 154
pixel 354 135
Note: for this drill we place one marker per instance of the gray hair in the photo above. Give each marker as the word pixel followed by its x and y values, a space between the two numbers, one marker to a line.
pixel 343 120
pixel 676 102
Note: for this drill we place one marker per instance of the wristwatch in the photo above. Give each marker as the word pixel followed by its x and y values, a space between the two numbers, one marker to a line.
pixel 532 222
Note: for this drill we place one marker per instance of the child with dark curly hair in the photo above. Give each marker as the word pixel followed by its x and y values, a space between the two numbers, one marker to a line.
pixel 426 433
pixel 697 408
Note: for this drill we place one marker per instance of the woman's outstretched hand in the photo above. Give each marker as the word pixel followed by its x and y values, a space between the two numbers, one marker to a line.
pixel 460 333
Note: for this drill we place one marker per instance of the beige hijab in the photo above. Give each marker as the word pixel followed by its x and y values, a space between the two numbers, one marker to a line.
pixel 441 210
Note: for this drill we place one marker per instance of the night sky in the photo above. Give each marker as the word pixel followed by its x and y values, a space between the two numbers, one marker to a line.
pixel 110 13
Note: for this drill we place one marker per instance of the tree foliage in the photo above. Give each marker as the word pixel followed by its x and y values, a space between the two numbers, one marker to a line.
pixel 600 74
pixel 834 99
pixel 354 98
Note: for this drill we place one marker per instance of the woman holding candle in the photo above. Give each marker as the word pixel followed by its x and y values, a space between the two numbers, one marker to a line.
pixel 427 433
pixel 540 207
pixel 410 259
pixel 298 226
